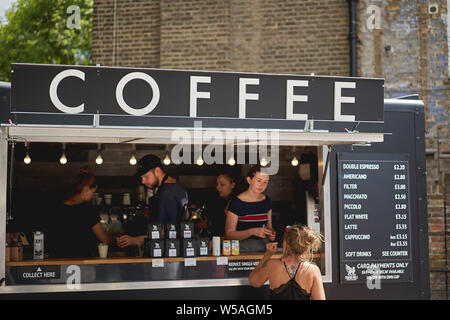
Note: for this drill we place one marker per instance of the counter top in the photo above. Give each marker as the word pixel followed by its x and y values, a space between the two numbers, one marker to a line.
pixel 118 260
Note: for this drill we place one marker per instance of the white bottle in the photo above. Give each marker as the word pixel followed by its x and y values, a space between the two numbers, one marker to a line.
pixel 38 250
pixel 216 246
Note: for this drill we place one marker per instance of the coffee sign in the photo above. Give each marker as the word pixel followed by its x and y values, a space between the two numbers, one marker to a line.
pixel 193 94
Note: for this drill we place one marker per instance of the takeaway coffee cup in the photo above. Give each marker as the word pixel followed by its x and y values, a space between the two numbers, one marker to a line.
pixel 103 250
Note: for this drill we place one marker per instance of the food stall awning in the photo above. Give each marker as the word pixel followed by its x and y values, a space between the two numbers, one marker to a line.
pixel 164 136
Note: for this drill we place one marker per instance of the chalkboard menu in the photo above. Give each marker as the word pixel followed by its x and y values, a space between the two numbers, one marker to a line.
pixel 374 218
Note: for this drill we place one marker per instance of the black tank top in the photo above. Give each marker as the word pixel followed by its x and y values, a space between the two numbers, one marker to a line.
pixel 290 290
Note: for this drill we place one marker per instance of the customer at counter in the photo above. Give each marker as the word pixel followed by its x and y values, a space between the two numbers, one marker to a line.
pixel 169 205
pixel 75 229
pixel 294 276
pixel 249 215
pixel 226 186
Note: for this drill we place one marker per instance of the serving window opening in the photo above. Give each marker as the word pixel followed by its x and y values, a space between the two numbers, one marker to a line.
pixel 122 202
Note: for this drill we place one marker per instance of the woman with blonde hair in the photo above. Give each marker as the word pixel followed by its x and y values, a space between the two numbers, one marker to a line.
pixel 294 276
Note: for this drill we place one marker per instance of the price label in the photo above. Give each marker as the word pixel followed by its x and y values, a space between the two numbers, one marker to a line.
pixel 187 234
pixel 190 262
pixel 155 234
pixel 222 261
pixel 190 252
pixel 172 234
pixel 158 263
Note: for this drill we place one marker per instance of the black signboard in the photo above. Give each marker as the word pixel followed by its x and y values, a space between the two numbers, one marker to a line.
pixel 32 273
pixel 374 218
pixel 59 89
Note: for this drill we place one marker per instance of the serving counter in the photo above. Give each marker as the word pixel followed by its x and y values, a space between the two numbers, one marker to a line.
pixel 129 269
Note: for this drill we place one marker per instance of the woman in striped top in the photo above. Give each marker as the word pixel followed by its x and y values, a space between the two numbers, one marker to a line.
pixel 249 215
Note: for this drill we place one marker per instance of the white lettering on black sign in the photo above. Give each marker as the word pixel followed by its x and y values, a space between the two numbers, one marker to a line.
pixel 39 272
pixel 194 94
pixel 374 215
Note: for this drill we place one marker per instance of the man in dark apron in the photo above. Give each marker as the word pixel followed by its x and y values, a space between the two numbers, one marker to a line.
pixel 169 205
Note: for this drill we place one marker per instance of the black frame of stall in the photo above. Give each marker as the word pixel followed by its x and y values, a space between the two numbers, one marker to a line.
pixel 404 119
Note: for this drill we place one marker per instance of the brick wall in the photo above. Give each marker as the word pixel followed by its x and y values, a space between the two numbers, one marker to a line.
pixel 255 36
pixel 126 33
pixel 409 49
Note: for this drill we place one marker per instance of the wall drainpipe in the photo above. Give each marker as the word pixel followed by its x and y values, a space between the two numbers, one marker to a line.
pixel 352 37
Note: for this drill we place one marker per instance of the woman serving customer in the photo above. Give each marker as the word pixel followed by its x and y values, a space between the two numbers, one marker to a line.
pixel 249 215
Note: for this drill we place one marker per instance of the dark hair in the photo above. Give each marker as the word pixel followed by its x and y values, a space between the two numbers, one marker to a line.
pixel 147 163
pixel 230 176
pixel 253 170
pixel 84 177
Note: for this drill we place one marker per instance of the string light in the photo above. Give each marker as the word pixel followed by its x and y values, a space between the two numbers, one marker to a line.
pixel 294 161
pixel 263 162
pixel 166 160
pixel 133 160
pixel 27 158
pixel 99 159
pixel 63 159
pixel 200 161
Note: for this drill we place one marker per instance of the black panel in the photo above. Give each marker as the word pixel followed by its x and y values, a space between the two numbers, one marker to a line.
pixel 97 88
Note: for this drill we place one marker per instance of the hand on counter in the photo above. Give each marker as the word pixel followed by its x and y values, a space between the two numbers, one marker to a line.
pixel 125 241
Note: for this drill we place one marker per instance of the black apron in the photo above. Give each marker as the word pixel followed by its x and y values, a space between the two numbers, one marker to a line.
pixel 154 205
pixel 154 201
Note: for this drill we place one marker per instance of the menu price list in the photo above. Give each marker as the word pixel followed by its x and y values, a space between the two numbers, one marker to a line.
pixel 374 217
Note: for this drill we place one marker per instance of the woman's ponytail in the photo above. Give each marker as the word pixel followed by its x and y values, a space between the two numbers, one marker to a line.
pixel 303 241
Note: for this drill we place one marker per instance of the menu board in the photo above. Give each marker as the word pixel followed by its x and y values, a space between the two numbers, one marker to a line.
pixel 374 218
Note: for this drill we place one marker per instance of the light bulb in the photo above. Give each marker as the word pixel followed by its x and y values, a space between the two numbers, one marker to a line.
pixel 231 161
pixel 166 160
pixel 63 159
pixel 99 160
pixel 27 159
pixel 294 161
pixel 200 161
pixel 263 162
pixel 133 160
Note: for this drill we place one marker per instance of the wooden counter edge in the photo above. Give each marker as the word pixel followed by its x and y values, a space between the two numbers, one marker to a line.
pixel 113 260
